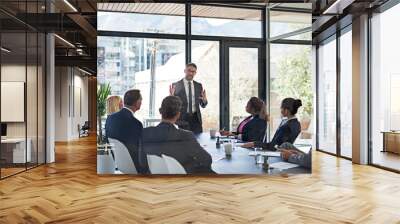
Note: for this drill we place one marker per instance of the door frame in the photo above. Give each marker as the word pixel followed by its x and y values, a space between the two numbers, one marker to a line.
pixel 225 45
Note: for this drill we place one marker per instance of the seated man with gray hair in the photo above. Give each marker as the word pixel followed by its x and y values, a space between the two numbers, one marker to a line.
pixel 291 154
pixel 166 138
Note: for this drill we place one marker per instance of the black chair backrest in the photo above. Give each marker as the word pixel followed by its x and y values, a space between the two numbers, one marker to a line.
pixel 86 125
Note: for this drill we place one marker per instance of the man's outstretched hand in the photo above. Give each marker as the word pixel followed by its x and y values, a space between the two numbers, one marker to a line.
pixel 203 96
pixel 172 90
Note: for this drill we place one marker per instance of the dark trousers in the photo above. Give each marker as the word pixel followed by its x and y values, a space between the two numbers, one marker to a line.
pixel 190 122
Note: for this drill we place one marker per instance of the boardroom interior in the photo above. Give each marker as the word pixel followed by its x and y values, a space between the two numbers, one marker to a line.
pixel 226 42
pixel 338 57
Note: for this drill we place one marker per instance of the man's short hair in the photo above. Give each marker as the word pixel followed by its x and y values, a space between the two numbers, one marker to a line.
pixel 191 65
pixel 170 107
pixel 131 97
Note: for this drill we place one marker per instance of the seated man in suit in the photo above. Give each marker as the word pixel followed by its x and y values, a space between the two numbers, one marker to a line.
pixel 168 139
pixel 124 127
pixel 291 154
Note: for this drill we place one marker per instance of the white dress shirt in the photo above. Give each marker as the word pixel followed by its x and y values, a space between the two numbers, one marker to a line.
pixel 186 83
pixel 133 113
pixel 285 120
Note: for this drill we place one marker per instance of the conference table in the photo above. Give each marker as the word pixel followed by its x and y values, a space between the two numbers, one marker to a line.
pixel 240 162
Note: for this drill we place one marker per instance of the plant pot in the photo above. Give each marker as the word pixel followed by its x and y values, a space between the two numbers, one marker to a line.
pixel 105 162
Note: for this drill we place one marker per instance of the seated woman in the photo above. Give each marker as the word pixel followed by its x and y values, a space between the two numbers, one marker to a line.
pixel 253 127
pixel 288 130
pixel 114 104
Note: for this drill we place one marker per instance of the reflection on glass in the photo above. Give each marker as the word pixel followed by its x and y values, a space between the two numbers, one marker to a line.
pixel 139 22
pixel 15 150
pixel 346 94
pixel 41 98
pixel 286 22
pixel 206 56
pixel 225 21
pixel 291 77
pixel 385 84
pixel 243 82
pixel 327 97
pixel 126 64
pixel 31 101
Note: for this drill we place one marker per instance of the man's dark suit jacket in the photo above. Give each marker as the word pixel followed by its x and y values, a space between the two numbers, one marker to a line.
pixel 124 127
pixel 181 93
pixel 254 130
pixel 287 132
pixel 179 144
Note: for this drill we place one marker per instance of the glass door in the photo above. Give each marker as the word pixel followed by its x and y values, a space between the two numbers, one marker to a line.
pixel 243 79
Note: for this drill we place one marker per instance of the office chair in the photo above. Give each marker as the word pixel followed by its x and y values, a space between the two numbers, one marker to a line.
pixel 123 159
pixel 157 165
pixel 84 130
pixel 174 167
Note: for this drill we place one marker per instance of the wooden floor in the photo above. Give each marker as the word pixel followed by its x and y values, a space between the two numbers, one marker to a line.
pixel 387 159
pixel 10 171
pixel 70 191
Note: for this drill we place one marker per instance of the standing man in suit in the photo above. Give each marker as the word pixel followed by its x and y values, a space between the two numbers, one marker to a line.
pixel 166 138
pixel 193 97
pixel 124 127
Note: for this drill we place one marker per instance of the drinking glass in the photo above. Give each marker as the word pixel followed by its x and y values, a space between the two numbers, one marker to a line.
pixel 257 157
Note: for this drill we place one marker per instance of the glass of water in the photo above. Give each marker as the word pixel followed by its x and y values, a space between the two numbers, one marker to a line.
pixel 258 158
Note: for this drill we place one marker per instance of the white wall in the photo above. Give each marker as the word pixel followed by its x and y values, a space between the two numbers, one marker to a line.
pixel 71 102
pixel 12 73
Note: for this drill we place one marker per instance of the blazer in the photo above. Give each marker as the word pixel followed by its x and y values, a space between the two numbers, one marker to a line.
pixel 181 93
pixel 287 132
pixel 303 159
pixel 254 130
pixel 179 144
pixel 124 127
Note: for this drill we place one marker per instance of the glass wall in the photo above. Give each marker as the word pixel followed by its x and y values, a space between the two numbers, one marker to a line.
pixel 291 77
pixel 206 56
pixel 15 154
pixel 346 94
pixel 385 89
pixel 327 96
pixel 22 91
pixel 290 67
pixel 126 62
pixel 143 17
pixel 243 75
pixel 221 25
pixel 150 65
pixel 285 22
pixel 226 21
pixel 31 96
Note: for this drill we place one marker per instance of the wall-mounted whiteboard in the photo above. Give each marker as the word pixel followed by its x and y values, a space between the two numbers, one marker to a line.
pixel 12 101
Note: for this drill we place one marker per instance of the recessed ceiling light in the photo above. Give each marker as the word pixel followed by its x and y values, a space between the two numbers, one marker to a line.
pixel 5 50
pixel 70 5
pixel 84 71
pixel 64 40
pixel 338 6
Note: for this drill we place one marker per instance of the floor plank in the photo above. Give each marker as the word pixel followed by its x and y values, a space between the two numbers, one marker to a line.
pixel 70 191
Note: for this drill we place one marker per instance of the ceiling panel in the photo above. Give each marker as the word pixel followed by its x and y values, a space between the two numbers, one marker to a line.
pixel 290 17
pixel 179 10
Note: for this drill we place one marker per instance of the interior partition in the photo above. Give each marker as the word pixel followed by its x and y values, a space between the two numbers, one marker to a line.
pixel 23 91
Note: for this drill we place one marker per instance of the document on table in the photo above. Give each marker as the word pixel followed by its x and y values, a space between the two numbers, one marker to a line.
pixel 282 165
pixel 265 153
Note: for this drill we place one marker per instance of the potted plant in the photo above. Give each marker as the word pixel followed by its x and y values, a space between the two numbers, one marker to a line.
pixel 103 91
